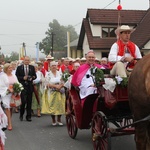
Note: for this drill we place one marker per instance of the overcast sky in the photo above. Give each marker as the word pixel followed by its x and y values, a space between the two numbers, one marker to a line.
pixel 27 20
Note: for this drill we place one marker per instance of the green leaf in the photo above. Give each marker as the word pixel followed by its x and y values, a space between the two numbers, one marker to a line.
pixel 98 75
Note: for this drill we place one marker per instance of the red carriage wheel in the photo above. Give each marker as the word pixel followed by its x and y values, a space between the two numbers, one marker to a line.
pixel 71 125
pixel 70 118
pixel 69 105
pixel 100 132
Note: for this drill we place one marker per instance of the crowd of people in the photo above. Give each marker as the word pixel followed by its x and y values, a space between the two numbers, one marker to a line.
pixel 44 88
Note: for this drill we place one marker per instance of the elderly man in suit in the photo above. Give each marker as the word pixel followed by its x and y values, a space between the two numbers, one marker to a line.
pixel 26 74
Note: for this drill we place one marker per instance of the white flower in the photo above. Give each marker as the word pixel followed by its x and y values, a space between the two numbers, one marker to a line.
pixel 119 79
pixel 17 87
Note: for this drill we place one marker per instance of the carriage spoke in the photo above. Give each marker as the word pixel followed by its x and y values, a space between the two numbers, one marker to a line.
pixel 71 125
pixel 99 132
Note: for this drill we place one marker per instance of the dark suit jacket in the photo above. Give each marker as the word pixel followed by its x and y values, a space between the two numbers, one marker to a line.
pixel 20 73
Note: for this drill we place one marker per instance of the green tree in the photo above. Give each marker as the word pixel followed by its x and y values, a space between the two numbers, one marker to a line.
pixel 13 56
pixel 56 37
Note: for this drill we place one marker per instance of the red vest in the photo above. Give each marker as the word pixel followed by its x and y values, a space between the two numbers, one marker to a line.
pixel 121 51
pixel 46 65
pixel 64 68
pixel 130 46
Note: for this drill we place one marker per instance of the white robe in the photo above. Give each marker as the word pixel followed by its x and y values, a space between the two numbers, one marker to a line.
pixel 85 87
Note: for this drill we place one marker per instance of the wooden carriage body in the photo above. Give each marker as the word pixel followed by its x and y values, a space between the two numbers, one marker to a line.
pixel 83 109
pixel 96 111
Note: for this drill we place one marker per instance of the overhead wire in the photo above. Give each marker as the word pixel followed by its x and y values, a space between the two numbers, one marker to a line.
pixel 102 8
pixel 109 4
pixel 36 22
pixel 21 21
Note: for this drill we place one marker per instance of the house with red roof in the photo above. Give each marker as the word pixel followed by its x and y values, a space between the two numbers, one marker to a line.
pixel 98 30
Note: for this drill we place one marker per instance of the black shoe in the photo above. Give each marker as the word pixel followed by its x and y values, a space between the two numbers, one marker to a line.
pixel 3 129
pixel 28 119
pixel 21 118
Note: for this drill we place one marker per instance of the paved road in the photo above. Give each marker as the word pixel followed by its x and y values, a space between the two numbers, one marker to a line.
pixel 40 135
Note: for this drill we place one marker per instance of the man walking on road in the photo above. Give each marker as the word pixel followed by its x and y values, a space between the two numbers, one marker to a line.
pixel 26 74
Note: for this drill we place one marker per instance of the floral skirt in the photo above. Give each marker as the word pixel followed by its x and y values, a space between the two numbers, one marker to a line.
pixel 53 103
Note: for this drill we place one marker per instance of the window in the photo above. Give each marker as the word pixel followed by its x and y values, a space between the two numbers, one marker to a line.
pixel 108 32
pixel 105 54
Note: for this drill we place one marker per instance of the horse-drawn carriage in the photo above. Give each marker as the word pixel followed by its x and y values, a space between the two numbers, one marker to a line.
pixel 106 113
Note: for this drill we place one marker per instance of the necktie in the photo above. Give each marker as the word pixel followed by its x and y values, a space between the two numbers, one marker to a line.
pixel 26 69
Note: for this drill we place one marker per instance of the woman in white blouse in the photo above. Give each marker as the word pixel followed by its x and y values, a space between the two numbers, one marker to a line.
pixel 53 100
pixel 6 81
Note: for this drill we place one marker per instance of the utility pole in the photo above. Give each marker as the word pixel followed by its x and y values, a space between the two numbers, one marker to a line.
pixel 37 51
pixel 52 40
pixel 68 44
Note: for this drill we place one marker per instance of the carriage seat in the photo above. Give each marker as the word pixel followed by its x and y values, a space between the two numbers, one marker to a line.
pixel 84 108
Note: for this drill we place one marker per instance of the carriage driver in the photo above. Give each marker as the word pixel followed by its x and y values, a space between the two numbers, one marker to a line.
pixel 82 78
pixel 123 51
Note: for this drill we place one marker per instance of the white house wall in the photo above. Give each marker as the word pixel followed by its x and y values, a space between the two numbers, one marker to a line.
pixel 98 54
pixel 96 30
pixel 146 48
pixel 147 45
pixel 85 45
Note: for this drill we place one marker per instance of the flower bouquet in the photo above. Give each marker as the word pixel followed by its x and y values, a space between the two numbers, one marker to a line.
pixel 15 98
pixel 121 81
pixel 98 75
pixel 17 88
pixel 65 76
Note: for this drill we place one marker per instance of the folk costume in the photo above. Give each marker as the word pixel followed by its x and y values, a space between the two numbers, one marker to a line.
pixel 48 59
pixel 65 68
pixel 53 101
pixel 120 51
pixel 46 66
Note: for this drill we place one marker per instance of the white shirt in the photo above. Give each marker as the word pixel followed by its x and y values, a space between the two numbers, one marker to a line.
pixel 113 54
pixel 26 69
pixel 39 77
